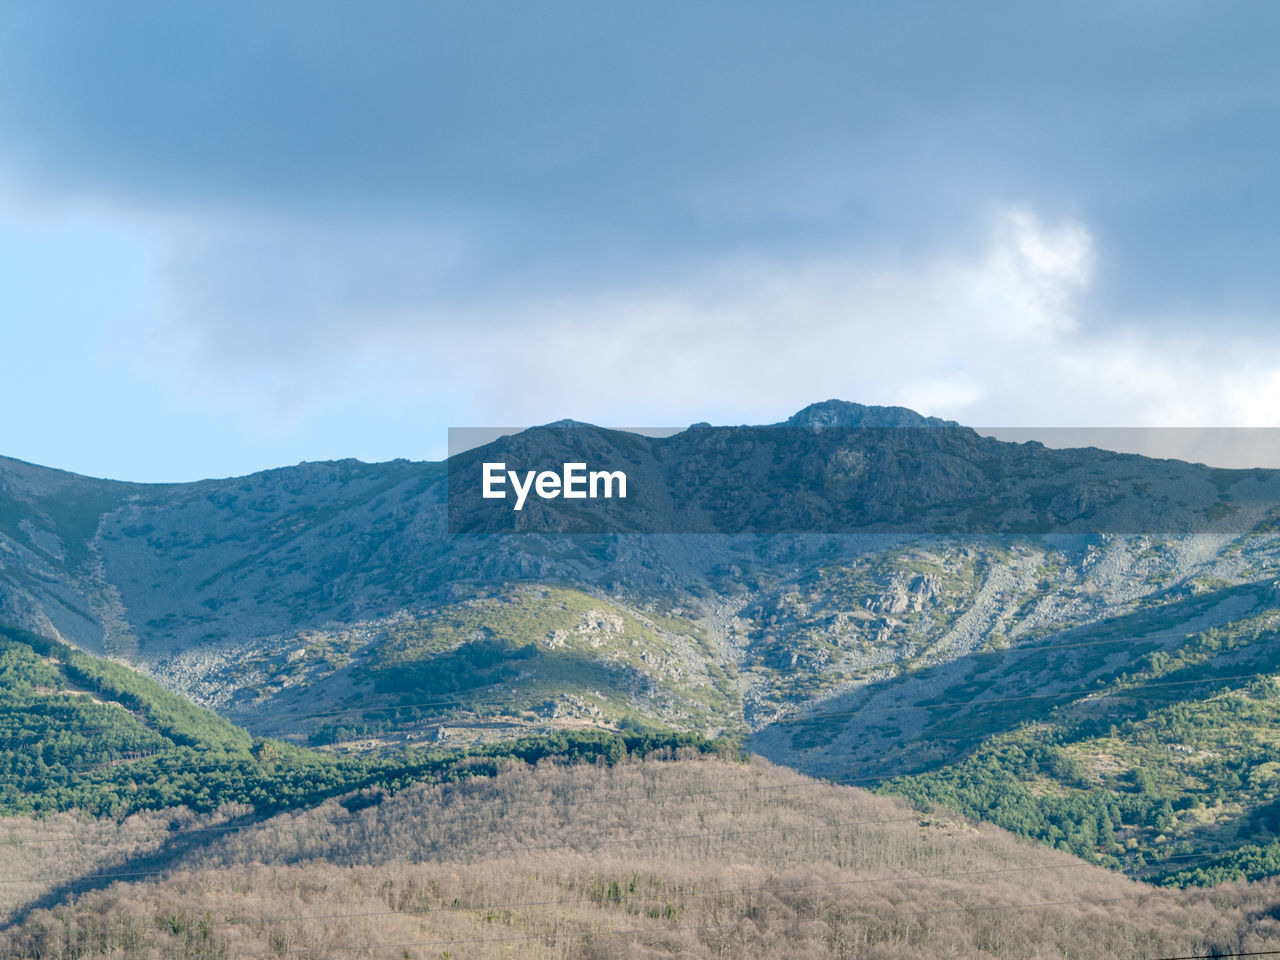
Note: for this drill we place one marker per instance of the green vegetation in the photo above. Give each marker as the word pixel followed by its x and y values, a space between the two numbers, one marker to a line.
pixel 80 732
pixel 66 509
pixel 1166 763
pixel 1250 862
pixel 523 652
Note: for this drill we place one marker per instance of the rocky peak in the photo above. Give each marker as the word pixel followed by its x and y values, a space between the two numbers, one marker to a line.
pixel 842 413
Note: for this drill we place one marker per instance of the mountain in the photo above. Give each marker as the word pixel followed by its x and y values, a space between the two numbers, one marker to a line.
pixel 1024 633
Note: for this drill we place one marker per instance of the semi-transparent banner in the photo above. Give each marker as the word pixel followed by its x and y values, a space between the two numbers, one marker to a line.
pixel 581 479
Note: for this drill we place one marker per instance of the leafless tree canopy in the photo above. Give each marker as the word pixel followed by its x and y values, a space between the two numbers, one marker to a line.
pixel 691 858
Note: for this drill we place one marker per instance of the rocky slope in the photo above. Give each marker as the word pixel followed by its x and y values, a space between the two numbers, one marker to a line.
pixel 760 573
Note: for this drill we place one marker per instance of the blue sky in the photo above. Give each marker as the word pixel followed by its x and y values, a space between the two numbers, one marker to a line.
pixel 235 236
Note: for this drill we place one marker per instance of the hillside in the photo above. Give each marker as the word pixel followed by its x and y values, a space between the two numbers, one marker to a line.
pixel 1064 642
pixel 78 732
pixel 1146 740
pixel 653 859
pixel 289 592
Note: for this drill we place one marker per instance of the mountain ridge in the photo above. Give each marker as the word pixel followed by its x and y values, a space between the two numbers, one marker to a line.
pixel 328 603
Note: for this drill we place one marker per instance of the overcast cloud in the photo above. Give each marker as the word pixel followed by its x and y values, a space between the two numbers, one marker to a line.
pixel 240 235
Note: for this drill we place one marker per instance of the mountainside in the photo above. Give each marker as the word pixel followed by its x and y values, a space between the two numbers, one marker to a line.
pixel 860 591
pixel 691 858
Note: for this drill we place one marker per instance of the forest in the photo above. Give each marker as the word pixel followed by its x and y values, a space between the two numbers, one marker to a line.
pixel 677 855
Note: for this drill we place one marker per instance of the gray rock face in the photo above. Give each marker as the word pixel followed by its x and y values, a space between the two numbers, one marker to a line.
pixel 192 581
pixel 841 413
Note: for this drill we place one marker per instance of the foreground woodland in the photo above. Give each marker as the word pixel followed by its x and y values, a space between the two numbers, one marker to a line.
pixel 678 857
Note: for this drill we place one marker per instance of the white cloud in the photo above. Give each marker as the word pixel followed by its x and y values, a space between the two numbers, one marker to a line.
pixel 754 339
pixel 990 336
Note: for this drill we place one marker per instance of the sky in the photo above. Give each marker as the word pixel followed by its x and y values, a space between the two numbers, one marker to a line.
pixel 240 235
